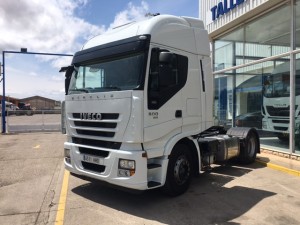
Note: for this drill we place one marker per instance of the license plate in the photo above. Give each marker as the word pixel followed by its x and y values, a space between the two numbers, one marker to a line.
pixel 91 159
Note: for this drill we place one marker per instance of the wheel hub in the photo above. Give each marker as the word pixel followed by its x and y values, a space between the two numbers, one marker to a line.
pixel 181 170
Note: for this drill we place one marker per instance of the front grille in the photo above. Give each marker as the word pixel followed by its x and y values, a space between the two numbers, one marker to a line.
pixel 96 133
pixel 94 124
pixel 278 111
pixel 104 126
pixel 281 121
pixel 97 143
pixel 281 128
pixel 93 167
pixel 94 152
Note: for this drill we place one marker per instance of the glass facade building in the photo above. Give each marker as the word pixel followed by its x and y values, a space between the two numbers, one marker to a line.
pixel 256 63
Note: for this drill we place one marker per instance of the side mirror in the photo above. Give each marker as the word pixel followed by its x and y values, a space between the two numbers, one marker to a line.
pixel 166 67
pixel 166 57
pixel 69 70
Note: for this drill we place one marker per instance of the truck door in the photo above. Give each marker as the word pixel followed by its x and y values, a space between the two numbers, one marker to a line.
pixel 164 107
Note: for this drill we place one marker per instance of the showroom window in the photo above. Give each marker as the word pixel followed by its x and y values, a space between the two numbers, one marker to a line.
pixel 254 88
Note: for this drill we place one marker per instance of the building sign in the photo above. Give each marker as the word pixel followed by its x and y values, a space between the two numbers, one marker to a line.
pixel 224 7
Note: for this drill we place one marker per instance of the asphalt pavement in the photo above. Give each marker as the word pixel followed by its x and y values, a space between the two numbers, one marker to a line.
pixel 35 189
pixel 30 165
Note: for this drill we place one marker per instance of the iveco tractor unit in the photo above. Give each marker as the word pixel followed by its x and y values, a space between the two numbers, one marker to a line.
pixel 139 108
pixel 276 102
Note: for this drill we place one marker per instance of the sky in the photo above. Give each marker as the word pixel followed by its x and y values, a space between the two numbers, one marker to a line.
pixel 62 27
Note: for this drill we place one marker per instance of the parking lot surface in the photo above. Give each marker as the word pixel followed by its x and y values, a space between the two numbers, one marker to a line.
pixel 32 176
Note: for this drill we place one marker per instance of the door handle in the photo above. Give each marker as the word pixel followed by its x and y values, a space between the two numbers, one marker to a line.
pixel 178 113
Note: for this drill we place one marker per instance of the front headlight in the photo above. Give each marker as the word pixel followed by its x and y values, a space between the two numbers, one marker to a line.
pixel 297 128
pixel 63 117
pixel 67 155
pixel 126 164
pixel 126 168
pixel 264 125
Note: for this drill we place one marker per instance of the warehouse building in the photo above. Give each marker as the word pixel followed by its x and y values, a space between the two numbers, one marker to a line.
pixel 42 103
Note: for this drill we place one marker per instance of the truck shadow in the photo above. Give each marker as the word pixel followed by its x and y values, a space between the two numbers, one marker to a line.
pixel 206 202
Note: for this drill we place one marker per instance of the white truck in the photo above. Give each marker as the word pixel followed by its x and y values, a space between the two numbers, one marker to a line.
pixel 276 101
pixel 139 108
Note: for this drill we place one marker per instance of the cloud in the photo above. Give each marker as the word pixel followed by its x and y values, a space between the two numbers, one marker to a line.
pixel 131 13
pixel 52 27
pixel 33 74
pixel 47 85
pixel 57 78
pixel 40 27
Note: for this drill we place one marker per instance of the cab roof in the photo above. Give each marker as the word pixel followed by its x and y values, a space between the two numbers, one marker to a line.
pixel 167 30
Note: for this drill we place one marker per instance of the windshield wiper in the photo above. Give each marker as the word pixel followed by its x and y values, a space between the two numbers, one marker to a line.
pixel 108 87
pixel 80 90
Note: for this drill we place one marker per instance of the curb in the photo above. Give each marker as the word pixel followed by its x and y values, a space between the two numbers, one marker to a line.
pixel 279 168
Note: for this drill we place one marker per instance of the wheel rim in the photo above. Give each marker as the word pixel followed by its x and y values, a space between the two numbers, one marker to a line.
pixel 182 170
pixel 251 147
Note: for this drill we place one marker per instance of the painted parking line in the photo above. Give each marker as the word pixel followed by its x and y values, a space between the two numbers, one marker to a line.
pixel 280 168
pixel 62 200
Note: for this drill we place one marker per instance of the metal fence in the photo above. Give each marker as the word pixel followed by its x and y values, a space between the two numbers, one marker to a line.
pixel 33 121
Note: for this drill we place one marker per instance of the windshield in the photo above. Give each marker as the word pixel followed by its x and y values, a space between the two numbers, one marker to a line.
pixel 278 85
pixel 122 73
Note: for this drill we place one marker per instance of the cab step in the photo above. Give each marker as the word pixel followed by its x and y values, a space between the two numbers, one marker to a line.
pixel 153 165
pixel 152 184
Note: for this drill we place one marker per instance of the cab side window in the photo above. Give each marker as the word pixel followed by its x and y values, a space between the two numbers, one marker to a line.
pixel 167 75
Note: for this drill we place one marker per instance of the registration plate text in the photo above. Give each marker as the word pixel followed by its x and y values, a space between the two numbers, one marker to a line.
pixel 92 159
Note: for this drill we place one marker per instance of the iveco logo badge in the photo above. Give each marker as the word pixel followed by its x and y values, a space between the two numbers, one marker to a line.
pixel 90 116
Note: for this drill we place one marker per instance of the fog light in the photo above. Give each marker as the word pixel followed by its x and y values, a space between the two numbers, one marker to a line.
pixel 123 173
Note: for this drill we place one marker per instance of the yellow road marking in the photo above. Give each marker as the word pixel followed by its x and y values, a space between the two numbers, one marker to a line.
pixel 62 200
pixel 280 168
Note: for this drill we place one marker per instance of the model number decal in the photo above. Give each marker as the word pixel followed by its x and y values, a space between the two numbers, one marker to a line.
pixel 154 115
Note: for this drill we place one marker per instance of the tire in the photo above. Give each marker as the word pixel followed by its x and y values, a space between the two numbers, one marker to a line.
pixel 283 137
pixel 179 171
pixel 250 148
pixel 29 113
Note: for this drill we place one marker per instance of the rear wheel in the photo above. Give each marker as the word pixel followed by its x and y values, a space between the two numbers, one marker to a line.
pixel 250 148
pixel 179 171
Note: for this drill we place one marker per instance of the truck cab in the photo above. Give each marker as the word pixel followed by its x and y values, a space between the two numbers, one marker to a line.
pixel 276 101
pixel 138 107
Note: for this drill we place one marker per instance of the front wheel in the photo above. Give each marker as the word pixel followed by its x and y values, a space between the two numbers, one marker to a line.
pixel 179 171
pixel 283 137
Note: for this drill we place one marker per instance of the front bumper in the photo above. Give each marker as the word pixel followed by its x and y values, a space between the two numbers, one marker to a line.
pixel 106 168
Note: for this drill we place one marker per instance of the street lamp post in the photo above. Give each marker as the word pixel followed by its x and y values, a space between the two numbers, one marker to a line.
pixel 3 94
